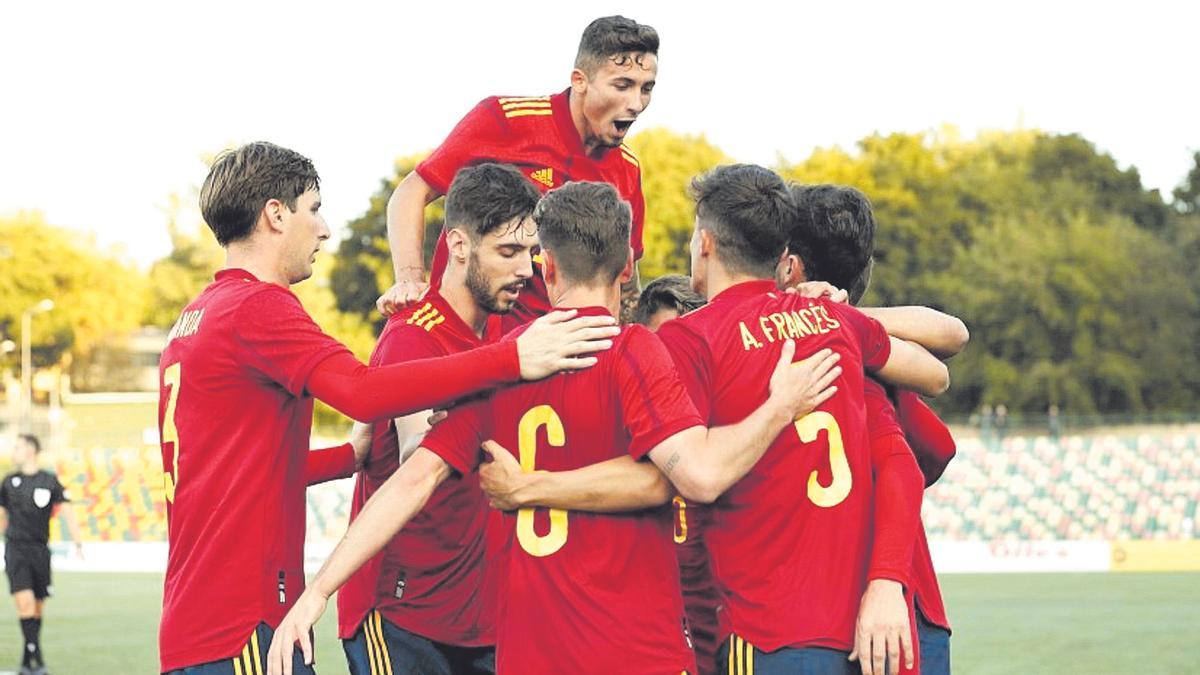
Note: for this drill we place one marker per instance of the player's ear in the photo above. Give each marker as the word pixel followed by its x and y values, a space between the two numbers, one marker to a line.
pixel 791 270
pixel 707 243
pixel 549 268
pixel 272 215
pixel 579 82
pixel 627 271
pixel 458 244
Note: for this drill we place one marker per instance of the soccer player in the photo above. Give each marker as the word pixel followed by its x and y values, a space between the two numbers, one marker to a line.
pixel 574 135
pixel 666 298
pixel 29 498
pixel 424 604
pixel 833 241
pixel 238 377
pixel 790 559
pixel 583 592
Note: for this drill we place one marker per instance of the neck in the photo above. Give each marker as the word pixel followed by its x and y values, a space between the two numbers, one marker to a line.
pixel 719 279
pixel 591 144
pixel 29 466
pixel 578 295
pixel 458 296
pixel 253 259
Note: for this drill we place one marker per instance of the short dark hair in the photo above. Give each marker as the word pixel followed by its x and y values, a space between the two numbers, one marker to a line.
pixel 613 37
pixel 747 209
pixel 33 441
pixel 670 291
pixel 485 196
pixel 241 181
pixel 834 236
pixel 586 226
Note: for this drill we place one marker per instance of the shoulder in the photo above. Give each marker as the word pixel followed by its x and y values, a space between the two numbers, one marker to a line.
pixel 629 158
pixel 521 107
pixel 414 328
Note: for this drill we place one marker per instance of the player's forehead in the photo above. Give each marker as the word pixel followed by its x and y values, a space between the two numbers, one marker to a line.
pixel 640 67
pixel 516 232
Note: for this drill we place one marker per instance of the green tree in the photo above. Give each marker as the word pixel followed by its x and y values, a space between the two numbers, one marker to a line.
pixel 195 256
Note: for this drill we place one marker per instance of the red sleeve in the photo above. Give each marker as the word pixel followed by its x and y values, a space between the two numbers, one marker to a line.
pixel 881 414
pixel 929 437
pixel 693 363
pixel 654 403
pixel 873 340
pixel 370 394
pixel 329 464
pixel 280 340
pixel 482 126
pixel 897 508
pixel 457 438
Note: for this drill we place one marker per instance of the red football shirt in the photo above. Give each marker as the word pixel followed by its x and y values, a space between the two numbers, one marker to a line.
pixel 584 592
pixel 235 421
pixel 537 135
pixel 700 596
pixel 428 579
pixel 787 542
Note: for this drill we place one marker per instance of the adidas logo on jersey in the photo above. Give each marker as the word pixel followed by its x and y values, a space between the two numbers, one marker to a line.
pixel 544 176
pixel 427 317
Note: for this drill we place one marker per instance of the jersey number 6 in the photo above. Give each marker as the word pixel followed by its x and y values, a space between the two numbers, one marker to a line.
pixel 533 543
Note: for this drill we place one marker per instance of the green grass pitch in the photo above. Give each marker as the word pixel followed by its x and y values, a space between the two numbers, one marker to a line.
pixel 1014 623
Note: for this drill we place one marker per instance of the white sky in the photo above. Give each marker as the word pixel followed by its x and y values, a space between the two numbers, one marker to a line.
pixel 106 107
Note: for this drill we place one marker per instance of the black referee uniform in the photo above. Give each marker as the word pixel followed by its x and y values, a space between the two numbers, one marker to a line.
pixel 30 501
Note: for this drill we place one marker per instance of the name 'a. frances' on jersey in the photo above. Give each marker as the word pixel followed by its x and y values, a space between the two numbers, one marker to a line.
pixel 794 324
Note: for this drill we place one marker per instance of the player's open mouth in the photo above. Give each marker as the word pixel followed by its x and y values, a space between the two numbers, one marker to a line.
pixel 622 125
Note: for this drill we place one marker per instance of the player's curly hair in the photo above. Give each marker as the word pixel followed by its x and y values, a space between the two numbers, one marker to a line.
pixel 834 236
pixel 241 182
pixel 747 209
pixel 616 38
pixel 483 197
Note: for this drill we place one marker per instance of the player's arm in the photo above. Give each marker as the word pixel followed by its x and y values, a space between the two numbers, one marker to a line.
pixel 340 461
pixel 942 334
pixel 702 463
pixel 406 239
pixel 883 630
pixel 910 366
pixel 555 342
pixel 4 520
pixel 401 497
pixel 927 434
pixel 611 486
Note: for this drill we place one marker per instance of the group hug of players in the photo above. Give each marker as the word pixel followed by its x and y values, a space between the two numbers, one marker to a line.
pixel 734 486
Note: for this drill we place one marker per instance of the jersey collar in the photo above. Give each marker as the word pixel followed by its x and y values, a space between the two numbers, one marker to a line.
pixel 560 103
pixel 746 289
pixel 234 273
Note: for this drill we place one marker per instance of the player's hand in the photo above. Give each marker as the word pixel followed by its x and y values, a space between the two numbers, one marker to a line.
pixel 883 629
pixel 295 627
pixel 501 478
pixel 360 439
pixel 800 387
pixel 562 341
pixel 820 289
pixel 402 294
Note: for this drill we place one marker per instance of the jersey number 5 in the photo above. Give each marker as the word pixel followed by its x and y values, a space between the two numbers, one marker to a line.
pixel 534 543
pixel 833 494
pixel 170 434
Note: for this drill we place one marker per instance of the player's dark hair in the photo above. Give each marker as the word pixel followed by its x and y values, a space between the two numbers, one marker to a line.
pixel 586 227
pixel 834 236
pixel 670 291
pixel 241 182
pixel 616 38
pixel 32 441
pixel 747 209
pixel 485 196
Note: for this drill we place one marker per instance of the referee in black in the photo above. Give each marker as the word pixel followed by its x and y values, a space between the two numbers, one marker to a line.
pixel 29 498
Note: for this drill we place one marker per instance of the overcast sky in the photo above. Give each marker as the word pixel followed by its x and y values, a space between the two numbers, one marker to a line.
pixel 107 108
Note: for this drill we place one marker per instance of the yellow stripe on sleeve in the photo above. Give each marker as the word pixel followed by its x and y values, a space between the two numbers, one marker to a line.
pixel 523 113
pixel 526 105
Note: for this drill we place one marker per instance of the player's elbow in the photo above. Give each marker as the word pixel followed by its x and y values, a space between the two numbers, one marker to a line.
pixel 698 486
pixel 937 382
pixel 955 336
pixel 659 490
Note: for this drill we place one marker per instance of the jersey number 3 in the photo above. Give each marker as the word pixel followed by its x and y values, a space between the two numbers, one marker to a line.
pixel 535 544
pixel 169 433
pixel 835 493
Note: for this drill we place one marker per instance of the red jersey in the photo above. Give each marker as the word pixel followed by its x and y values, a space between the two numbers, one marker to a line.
pixel 787 542
pixel 700 596
pixel 428 579
pixel 234 420
pixel 584 592
pixel 537 135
